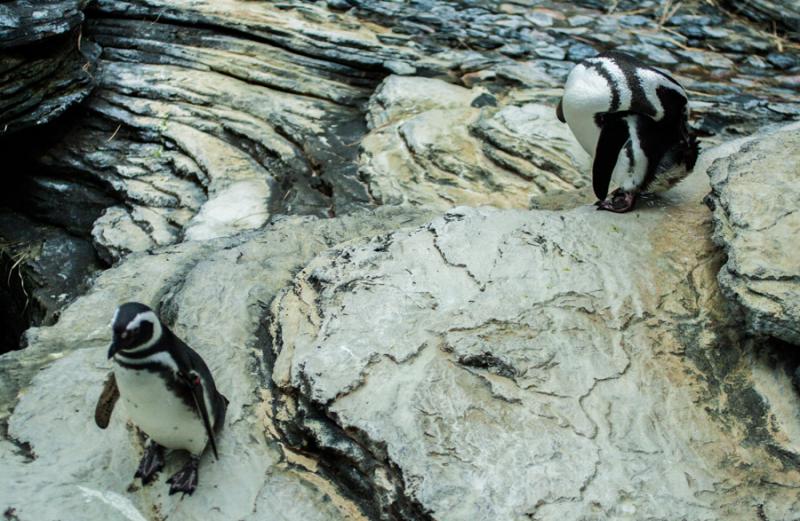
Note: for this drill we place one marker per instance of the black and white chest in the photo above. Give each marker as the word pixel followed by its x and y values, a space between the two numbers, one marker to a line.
pixel 157 401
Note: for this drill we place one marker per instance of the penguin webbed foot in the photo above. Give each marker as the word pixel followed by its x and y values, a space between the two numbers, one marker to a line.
pixel 151 464
pixel 618 201
pixel 185 480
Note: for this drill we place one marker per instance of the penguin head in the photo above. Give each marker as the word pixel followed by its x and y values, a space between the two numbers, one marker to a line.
pixel 135 327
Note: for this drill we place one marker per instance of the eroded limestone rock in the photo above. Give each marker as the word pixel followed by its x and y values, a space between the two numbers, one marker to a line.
pixel 492 365
pixel 195 96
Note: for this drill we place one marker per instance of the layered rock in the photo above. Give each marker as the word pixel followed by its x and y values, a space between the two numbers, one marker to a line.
pixel 783 12
pixel 201 103
pixel 211 118
pixel 436 145
pixel 537 365
pixel 45 65
pixel 58 465
pixel 755 196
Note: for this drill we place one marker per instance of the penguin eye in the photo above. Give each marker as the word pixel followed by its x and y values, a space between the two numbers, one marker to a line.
pixel 124 334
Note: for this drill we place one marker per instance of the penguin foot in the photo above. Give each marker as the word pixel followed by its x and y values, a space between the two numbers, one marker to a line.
pixel 152 462
pixel 618 202
pixel 185 480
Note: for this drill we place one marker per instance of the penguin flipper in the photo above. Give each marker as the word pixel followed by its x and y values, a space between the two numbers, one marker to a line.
pixel 560 111
pixel 194 373
pixel 192 380
pixel 613 137
pixel 105 404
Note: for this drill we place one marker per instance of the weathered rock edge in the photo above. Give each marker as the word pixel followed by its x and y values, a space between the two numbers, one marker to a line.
pixel 755 197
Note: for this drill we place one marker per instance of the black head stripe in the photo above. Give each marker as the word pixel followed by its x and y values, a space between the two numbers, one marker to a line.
pixel 630 68
pixel 145 332
pixel 129 340
pixel 612 84
pixel 127 312
pixel 667 77
pixel 674 104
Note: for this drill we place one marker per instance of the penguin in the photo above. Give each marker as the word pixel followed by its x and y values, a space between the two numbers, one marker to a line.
pixel 168 391
pixel 634 121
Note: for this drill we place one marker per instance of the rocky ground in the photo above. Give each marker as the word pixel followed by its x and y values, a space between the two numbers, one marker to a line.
pixel 367 219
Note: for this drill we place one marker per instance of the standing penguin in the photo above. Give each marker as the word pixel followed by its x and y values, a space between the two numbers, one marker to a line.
pixel 168 391
pixel 634 120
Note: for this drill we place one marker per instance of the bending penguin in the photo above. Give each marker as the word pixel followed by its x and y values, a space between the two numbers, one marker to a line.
pixel 634 121
pixel 168 391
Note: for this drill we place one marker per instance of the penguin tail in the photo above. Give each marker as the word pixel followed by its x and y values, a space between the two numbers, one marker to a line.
pixel 690 146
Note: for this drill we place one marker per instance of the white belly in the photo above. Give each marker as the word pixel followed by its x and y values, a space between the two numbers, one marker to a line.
pixel 586 93
pixel 158 412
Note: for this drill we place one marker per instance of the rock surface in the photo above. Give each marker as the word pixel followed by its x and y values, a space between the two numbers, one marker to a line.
pixel 254 478
pixel 537 365
pixel 756 197
pixel 23 22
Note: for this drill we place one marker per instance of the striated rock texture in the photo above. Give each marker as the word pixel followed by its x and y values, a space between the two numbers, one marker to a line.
pixel 756 196
pixel 45 65
pixel 58 465
pixel 23 22
pixel 784 12
pixel 436 145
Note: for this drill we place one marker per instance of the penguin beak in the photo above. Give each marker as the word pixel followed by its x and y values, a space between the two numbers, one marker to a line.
pixel 113 348
pixel 119 342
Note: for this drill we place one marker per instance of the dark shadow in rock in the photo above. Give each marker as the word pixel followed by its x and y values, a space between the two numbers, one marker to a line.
pixel 53 196
pixel 782 356
pixel 42 269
